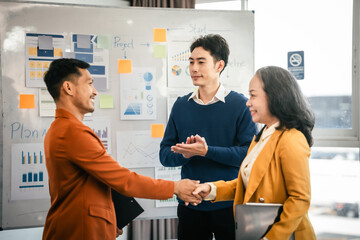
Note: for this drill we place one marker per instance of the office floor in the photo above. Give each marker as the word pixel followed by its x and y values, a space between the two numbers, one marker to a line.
pixel 32 234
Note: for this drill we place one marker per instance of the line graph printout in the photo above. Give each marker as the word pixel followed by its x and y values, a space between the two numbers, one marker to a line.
pixel 168 173
pixel 29 178
pixel 137 149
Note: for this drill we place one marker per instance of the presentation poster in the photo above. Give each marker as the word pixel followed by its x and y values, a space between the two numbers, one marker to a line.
pixel 41 50
pixel 178 64
pixel 87 49
pixel 102 129
pixel 168 173
pixel 137 149
pixel 29 178
pixel 138 94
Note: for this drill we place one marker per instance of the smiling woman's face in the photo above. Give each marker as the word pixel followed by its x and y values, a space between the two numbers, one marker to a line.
pixel 258 103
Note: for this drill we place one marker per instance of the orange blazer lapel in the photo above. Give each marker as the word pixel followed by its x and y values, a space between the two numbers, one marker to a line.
pixel 261 165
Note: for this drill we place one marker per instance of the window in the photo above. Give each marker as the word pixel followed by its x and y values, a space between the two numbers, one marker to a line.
pixel 325 36
pixel 323 29
pixel 335 203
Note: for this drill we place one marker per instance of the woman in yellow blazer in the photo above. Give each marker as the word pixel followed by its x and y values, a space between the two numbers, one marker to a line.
pixel 276 168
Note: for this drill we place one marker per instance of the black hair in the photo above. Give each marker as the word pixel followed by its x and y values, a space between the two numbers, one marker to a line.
pixel 61 70
pixel 216 45
pixel 286 101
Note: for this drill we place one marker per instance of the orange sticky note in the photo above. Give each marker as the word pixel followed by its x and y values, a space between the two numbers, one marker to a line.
pixel 46 65
pixel 32 74
pixel 32 51
pixel 124 66
pixel 159 35
pixel 157 130
pixel 27 101
pixel 38 64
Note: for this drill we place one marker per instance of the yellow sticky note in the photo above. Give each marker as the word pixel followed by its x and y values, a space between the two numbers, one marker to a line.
pixel 159 35
pixel 38 64
pixel 32 51
pixel 46 64
pixel 32 74
pixel 106 101
pixel 57 52
pixel 124 66
pixel 159 51
pixel 39 74
pixel 32 64
pixel 157 130
pixel 27 101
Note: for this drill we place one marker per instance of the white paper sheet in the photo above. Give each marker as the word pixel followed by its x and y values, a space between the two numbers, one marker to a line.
pixel 29 178
pixel 137 149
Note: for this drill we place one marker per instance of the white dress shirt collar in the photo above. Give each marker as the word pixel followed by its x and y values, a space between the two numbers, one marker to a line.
pixel 220 95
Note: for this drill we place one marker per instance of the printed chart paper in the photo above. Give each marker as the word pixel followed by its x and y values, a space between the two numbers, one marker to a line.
pixel 29 178
pixel 178 64
pixel 41 50
pixel 86 49
pixel 168 173
pixel 47 105
pixel 101 127
pixel 137 149
pixel 138 95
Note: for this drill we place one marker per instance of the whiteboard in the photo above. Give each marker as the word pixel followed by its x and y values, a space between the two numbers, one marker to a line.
pixel 131 34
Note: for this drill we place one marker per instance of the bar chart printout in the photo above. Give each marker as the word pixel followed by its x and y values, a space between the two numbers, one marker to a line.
pixel 28 172
pixel 168 173
pixel 101 127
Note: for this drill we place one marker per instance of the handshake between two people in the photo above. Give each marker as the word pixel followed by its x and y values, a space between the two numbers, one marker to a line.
pixel 191 191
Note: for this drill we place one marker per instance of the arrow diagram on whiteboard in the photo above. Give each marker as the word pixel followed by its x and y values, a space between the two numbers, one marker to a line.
pixel 172 29
pixel 145 44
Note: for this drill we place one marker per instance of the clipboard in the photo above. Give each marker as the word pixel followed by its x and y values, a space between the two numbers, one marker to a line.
pixel 126 209
pixel 254 220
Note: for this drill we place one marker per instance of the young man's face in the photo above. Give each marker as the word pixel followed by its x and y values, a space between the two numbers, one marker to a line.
pixel 85 92
pixel 203 68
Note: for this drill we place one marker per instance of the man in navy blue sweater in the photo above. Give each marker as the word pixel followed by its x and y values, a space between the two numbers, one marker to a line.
pixel 208 134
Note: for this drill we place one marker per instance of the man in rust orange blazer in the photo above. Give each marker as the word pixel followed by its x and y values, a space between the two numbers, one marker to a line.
pixel 81 173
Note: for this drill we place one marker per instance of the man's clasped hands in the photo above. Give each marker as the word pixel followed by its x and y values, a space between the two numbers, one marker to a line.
pixel 191 191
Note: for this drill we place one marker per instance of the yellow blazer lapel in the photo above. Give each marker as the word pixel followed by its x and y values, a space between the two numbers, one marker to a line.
pixel 261 165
